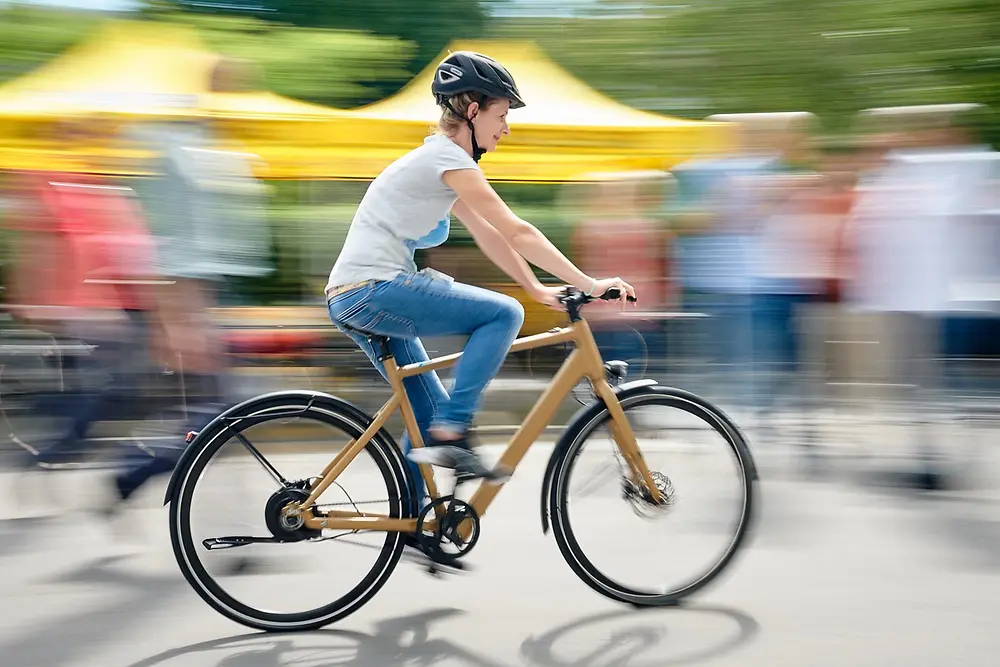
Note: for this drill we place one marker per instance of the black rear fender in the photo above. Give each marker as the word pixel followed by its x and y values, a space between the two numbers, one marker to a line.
pixel 246 414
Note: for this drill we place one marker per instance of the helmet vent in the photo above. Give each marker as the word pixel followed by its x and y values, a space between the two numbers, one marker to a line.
pixel 482 71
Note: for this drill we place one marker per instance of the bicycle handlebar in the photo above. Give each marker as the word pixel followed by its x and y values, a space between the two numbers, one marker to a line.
pixel 574 298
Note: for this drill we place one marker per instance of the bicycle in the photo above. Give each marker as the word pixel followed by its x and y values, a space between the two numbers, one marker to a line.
pixel 446 527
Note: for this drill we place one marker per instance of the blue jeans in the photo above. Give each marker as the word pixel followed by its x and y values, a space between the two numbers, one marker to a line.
pixel 728 337
pixel 108 378
pixel 414 305
pixel 777 343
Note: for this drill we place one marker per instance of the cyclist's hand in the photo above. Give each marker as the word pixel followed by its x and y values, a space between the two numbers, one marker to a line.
pixel 548 296
pixel 623 287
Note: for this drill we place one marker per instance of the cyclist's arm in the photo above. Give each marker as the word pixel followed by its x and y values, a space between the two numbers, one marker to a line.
pixel 473 190
pixel 496 248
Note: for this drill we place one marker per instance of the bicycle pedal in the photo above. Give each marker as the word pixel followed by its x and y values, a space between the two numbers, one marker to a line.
pixel 436 568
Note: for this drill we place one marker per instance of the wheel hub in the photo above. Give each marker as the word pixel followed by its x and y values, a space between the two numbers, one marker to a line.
pixel 282 519
pixel 642 502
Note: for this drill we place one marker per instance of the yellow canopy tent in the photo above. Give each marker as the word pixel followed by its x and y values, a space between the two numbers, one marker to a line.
pixel 140 68
pixel 566 131
pixel 134 70
pixel 126 67
pixel 128 70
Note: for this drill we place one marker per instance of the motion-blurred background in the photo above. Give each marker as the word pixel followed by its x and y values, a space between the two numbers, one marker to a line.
pixel 805 195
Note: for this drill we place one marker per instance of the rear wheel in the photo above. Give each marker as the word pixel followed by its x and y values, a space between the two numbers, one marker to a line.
pixel 246 467
pixel 657 554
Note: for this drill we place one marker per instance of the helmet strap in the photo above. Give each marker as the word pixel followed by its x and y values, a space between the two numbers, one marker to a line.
pixel 477 152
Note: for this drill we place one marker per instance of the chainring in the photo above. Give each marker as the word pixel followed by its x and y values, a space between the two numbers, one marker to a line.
pixel 452 513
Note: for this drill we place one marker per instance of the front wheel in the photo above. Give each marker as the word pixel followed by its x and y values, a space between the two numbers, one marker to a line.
pixel 616 540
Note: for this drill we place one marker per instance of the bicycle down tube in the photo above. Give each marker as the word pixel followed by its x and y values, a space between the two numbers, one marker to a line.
pixel 583 362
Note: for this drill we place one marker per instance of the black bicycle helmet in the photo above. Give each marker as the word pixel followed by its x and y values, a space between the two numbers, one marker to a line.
pixel 467 71
pixel 470 72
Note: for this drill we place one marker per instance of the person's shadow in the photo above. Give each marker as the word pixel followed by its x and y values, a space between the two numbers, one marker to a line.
pixel 406 640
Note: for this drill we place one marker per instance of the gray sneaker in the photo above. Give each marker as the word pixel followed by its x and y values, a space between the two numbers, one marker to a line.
pixel 458 456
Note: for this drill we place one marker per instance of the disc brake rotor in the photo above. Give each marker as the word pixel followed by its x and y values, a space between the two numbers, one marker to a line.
pixel 641 501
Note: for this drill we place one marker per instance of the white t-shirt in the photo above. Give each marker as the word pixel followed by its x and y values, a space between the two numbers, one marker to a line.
pixel 406 207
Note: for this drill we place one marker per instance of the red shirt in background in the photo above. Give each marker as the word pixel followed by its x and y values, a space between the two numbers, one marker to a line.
pixel 86 241
pixel 633 249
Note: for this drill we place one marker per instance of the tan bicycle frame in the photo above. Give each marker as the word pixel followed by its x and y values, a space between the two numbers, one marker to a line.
pixel 583 362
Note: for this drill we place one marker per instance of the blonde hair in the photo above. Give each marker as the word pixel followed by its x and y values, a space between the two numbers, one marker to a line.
pixel 451 122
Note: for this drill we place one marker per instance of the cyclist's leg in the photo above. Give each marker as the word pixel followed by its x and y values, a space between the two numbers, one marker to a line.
pixel 425 393
pixel 98 380
pixel 415 305
pixel 136 471
pixel 436 307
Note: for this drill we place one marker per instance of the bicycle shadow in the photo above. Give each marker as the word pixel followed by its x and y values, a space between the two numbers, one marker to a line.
pixel 399 640
pixel 407 640
pixel 640 643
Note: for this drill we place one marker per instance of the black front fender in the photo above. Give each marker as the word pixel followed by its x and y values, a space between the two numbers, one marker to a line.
pixel 582 416
pixel 627 390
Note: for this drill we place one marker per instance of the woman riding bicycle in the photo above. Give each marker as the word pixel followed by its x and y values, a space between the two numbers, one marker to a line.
pixel 375 288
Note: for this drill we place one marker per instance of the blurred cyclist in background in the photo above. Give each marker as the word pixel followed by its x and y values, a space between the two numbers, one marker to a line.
pixel 84 272
pixel 202 196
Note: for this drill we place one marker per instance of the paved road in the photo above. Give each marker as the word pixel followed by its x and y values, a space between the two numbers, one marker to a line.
pixel 837 575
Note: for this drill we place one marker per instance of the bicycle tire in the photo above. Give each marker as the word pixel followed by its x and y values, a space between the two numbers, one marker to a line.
pixel 212 438
pixel 588 422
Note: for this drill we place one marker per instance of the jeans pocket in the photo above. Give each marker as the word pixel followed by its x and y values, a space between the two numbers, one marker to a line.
pixel 356 315
pixel 364 319
pixel 416 282
pixel 364 314
pixel 393 326
pixel 345 307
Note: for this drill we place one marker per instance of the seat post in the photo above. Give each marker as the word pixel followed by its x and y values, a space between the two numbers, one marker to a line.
pixel 381 347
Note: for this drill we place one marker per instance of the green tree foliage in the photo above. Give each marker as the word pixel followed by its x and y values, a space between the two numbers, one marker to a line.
pixel 428 24
pixel 684 57
pixel 831 57
pixel 332 67
pixel 30 36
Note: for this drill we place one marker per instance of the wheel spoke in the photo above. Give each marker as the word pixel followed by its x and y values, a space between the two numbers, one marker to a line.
pixel 290 596
pixel 261 459
pixel 687 527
